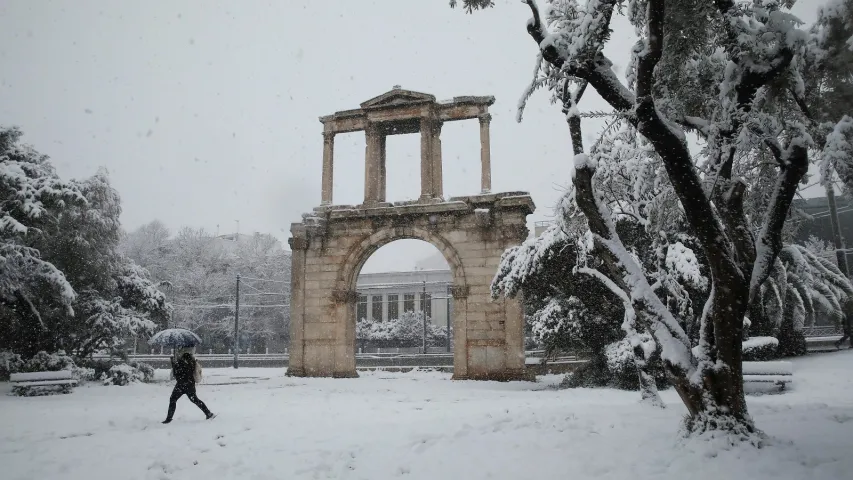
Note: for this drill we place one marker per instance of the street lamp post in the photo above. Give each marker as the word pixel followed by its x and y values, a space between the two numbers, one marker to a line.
pixel 237 322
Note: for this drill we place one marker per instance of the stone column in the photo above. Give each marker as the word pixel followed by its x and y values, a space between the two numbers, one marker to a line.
pixel 437 179
pixel 372 154
pixel 427 160
pixel 383 177
pixel 298 245
pixel 328 167
pixel 485 154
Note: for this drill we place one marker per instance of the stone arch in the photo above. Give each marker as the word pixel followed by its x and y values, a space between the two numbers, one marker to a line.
pixel 361 251
pixel 331 246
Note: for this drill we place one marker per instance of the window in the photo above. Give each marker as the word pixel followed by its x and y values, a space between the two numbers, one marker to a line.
pixel 393 307
pixel 409 302
pixel 376 307
pixel 361 309
pixel 426 305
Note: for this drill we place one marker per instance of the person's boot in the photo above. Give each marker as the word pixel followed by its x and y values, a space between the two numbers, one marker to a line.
pixel 210 416
pixel 168 420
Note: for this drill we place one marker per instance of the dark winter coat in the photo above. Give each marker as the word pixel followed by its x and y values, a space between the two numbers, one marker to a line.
pixel 184 370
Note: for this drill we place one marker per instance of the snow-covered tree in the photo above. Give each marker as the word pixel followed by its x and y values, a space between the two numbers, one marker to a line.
pixel 802 287
pixel 73 234
pixel 32 197
pixel 199 277
pixel 706 68
pixel 147 246
pixel 569 309
pixel 116 299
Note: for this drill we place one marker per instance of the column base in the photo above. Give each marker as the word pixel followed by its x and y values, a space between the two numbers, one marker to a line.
pixel 505 376
pixel 302 373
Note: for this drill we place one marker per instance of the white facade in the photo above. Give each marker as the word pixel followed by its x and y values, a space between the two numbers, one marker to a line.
pixel 384 296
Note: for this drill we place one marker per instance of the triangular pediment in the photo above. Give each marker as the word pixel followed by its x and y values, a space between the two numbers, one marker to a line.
pixel 396 97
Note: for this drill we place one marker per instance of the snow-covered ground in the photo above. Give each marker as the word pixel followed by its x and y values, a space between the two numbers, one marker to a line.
pixel 417 425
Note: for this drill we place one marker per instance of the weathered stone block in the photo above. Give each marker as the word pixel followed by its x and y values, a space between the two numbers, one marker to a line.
pixel 319 331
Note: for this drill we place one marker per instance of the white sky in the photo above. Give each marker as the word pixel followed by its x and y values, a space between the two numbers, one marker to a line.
pixel 206 112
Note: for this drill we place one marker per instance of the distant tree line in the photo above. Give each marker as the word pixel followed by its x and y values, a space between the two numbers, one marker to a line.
pixel 197 272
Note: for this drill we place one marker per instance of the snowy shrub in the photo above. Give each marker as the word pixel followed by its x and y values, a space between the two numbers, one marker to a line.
pixel 760 349
pixel 591 374
pixel 49 362
pixel 84 374
pixel 99 368
pixel 620 356
pixel 406 331
pixel 146 370
pixel 9 363
pixel 123 374
pixel 621 364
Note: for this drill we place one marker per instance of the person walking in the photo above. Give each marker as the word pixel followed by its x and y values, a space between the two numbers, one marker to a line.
pixel 185 369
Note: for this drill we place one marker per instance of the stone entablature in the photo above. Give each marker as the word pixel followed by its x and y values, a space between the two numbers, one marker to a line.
pixel 400 112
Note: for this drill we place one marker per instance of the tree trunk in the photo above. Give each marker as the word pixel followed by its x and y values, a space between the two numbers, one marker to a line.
pixel 648 387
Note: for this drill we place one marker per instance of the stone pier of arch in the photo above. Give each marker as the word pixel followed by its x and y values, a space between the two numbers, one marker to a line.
pixel 332 243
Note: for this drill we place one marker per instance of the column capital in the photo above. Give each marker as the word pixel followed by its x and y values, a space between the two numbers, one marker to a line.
pixel 328 136
pixel 297 243
pixel 432 123
pixel 485 118
pixel 372 128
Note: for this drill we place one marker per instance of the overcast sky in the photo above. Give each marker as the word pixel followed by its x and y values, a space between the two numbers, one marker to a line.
pixel 205 112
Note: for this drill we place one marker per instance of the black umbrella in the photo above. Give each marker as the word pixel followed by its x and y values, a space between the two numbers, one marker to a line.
pixel 175 338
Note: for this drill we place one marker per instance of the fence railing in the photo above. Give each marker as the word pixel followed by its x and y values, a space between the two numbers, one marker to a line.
pixel 823 331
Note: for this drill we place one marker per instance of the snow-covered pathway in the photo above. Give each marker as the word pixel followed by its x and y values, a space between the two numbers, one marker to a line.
pixel 418 425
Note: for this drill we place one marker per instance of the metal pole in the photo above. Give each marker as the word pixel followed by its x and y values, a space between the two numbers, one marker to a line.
pixel 423 315
pixel 237 322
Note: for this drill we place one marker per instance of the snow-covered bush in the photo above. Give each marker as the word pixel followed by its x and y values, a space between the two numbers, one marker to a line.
pixel 146 370
pixel 84 374
pixel 124 374
pixel 99 368
pixel 760 349
pixel 49 362
pixel 9 363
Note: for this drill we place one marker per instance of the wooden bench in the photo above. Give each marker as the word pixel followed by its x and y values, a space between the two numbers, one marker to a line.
pixel 776 375
pixel 42 383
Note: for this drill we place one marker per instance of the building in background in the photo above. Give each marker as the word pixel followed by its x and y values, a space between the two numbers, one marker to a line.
pixel 384 296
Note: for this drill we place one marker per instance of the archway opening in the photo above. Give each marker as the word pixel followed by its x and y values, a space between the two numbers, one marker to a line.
pixel 404 300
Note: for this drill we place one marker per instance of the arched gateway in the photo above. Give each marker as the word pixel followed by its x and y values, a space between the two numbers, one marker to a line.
pixel 332 243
